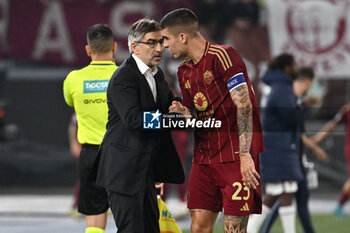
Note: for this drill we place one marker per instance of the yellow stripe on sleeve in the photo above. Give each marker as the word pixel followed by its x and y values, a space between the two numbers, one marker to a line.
pixel 225 54
pixel 217 54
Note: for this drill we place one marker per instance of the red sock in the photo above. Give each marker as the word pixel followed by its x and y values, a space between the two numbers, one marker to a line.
pixel 344 197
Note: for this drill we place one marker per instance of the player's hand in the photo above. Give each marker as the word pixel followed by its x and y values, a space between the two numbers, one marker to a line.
pixel 250 176
pixel 177 107
pixel 75 149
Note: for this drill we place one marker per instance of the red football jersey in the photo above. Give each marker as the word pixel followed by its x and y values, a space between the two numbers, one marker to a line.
pixel 204 88
pixel 346 119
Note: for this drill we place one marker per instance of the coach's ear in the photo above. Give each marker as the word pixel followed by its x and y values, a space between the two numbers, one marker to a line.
pixel 135 48
pixel 88 50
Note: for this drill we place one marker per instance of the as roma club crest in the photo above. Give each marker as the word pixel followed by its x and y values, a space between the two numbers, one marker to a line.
pixel 318 34
pixel 200 102
pixel 208 77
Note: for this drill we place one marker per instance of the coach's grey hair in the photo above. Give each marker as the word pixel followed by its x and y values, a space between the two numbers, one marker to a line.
pixel 140 28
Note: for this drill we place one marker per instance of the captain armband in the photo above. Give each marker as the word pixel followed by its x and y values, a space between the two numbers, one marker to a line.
pixel 235 81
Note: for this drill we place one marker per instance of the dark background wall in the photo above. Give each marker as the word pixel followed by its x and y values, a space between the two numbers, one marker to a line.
pixel 39 158
pixel 39 110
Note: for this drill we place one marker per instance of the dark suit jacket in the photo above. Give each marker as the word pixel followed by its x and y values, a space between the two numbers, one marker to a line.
pixel 127 149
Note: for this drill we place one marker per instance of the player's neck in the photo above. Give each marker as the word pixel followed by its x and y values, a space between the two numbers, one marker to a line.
pixel 102 57
pixel 197 48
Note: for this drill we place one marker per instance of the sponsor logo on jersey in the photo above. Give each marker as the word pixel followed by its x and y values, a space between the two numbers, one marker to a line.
pixel 95 101
pixel 95 86
pixel 208 77
pixel 200 102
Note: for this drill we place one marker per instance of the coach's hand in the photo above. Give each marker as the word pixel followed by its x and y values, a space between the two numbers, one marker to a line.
pixel 249 175
pixel 176 106
pixel 160 186
pixel 179 108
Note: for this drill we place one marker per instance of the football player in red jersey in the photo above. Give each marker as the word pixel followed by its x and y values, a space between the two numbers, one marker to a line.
pixel 215 84
pixel 343 116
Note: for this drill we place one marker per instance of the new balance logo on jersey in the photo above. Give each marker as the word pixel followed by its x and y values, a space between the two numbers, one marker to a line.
pixel 245 207
pixel 95 86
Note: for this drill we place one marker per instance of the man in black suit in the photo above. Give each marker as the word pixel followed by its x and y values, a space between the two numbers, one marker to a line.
pixel 131 159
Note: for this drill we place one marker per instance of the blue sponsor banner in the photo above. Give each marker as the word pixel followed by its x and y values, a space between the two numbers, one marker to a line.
pixel 95 86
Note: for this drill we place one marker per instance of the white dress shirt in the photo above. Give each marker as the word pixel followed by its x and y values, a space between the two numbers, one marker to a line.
pixel 148 73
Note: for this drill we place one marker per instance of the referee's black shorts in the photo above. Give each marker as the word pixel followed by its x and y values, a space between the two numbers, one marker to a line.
pixel 93 200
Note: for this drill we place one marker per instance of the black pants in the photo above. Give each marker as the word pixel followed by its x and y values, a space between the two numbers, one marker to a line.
pixel 92 200
pixel 138 213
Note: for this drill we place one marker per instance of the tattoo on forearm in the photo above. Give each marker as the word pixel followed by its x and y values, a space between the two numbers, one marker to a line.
pixel 240 97
pixel 242 125
pixel 235 224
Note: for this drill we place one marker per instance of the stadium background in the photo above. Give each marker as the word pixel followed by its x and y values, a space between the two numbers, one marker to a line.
pixel 41 41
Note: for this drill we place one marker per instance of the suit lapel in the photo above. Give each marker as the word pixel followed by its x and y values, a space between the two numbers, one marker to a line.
pixel 142 78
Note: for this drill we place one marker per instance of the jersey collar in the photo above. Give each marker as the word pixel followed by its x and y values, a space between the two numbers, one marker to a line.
pixel 102 63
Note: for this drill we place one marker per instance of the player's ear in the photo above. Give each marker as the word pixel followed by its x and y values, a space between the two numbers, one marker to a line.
pixel 183 38
pixel 88 50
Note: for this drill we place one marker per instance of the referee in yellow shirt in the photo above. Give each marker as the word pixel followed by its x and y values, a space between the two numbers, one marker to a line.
pixel 85 91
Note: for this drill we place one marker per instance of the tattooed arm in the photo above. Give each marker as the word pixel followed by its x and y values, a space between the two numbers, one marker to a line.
pixel 240 97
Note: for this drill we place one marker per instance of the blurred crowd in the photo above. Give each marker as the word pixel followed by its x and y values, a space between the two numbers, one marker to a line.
pixel 215 16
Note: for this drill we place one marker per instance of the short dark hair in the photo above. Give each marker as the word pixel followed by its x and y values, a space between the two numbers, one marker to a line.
pixel 100 38
pixel 305 73
pixel 140 28
pixel 184 18
pixel 281 62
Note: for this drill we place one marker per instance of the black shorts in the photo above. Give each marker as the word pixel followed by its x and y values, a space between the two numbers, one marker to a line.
pixel 93 200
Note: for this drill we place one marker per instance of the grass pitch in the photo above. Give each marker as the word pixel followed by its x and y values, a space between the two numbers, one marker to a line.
pixel 323 223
